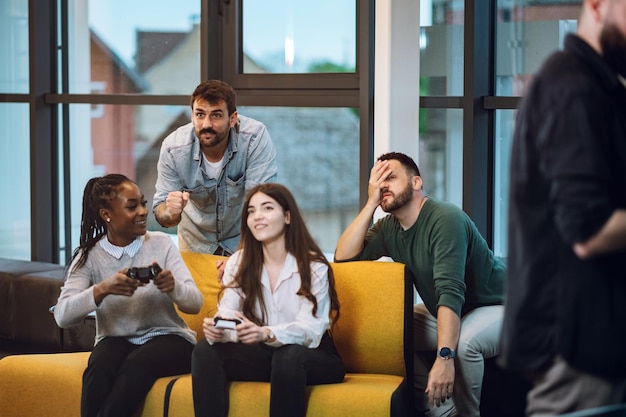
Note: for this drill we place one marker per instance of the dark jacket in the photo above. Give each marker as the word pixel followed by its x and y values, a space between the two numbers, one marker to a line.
pixel 568 175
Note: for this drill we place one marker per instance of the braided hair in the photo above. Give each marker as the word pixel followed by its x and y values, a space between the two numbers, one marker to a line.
pixel 98 194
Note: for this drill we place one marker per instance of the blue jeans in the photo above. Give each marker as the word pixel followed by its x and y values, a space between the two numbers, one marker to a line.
pixel 479 340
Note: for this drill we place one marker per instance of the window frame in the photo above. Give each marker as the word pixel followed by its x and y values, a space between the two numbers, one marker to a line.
pixel 48 102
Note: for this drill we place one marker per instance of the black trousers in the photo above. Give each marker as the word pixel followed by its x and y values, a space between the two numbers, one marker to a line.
pixel 120 374
pixel 289 369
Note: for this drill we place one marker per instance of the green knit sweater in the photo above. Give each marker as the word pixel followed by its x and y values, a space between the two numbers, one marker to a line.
pixel 449 259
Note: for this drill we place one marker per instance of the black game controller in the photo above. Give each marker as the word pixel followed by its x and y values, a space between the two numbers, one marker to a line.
pixel 144 273
pixel 222 323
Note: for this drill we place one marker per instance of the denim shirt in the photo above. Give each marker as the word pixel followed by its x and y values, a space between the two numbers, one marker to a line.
pixel 212 215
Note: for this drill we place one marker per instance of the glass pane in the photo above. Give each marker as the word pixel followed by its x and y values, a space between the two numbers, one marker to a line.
pixel 525 35
pixel 127 140
pixel 317 155
pixel 14 46
pixel 441 153
pixel 299 36
pixel 15 181
pixel 505 122
pixel 441 47
pixel 140 46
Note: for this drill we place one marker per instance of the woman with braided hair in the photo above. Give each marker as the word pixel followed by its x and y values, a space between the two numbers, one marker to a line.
pixel 139 335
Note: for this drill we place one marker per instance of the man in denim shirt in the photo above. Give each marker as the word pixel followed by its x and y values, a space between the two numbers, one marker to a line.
pixel 206 167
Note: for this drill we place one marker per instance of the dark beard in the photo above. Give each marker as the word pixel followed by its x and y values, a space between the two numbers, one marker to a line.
pixel 219 137
pixel 613 44
pixel 400 200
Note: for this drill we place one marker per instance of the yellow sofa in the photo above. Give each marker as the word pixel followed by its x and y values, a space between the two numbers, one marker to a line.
pixel 373 336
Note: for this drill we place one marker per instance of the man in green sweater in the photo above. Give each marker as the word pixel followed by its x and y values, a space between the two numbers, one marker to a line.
pixel 457 276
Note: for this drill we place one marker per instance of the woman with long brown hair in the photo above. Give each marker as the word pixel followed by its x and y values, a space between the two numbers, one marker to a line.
pixel 274 317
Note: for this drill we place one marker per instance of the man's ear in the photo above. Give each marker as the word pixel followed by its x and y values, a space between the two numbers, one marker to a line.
pixel 234 119
pixel 597 8
pixel 417 183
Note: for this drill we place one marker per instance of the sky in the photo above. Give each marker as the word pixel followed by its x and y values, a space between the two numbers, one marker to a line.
pixel 318 30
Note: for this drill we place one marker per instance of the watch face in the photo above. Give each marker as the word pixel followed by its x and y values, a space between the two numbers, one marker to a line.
pixel 445 352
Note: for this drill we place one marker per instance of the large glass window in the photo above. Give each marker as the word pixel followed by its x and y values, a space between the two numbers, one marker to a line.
pixel 441 153
pixel 317 152
pixel 121 139
pixel 526 33
pixel 302 68
pixel 15 231
pixel 154 47
pixel 441 45
pixel 299 37
pixel 441 74
pixel 14 46
pixel 15 181
pixel 140 46
pixel 505 122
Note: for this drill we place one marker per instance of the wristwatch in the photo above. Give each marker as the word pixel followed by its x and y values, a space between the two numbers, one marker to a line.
pixel 446 353
pixel 269 336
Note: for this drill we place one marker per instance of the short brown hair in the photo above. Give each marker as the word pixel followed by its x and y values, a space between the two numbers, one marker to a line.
pixel 214 91
pixel 407 162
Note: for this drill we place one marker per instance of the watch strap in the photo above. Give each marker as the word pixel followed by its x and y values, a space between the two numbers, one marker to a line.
pixel 446 353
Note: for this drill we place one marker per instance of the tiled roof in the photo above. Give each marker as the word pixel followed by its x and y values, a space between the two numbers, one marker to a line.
pixel 152 47
pixel 136 78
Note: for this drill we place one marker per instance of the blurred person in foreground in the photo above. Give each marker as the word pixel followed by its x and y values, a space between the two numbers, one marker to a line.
pixel 565 314
pixel 140 336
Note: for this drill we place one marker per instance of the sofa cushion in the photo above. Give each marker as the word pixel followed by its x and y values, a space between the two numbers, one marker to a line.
pixel 370 294
pixel 42 384
pixel 204 271
pixel 10 271
pixel 34 293
pixel 375 323
pixel 360 395
pixel 363 312
pixel 50 385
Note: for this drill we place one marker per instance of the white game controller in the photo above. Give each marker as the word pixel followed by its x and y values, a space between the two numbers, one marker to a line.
pixel 222 323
